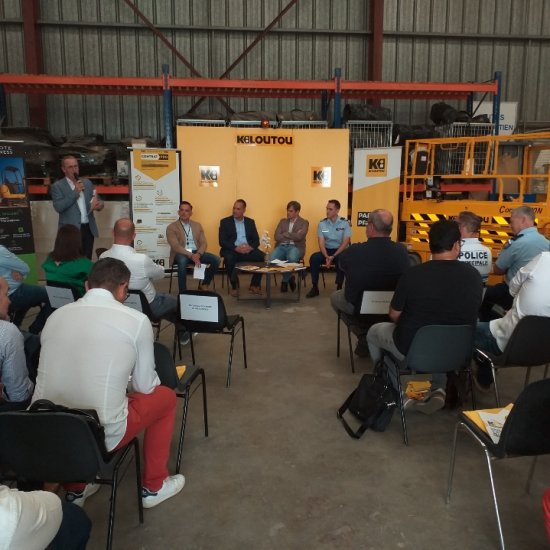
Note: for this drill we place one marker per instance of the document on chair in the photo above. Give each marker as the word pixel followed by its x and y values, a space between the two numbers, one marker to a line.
pixel 198 272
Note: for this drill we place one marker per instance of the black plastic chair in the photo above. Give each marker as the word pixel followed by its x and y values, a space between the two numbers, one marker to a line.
pixel 529 346
pixel 60 446
pixel 374 309
pixel 434 349
pixel 60 294
pixel 526 432
pixel 193 320
pixel 137 300
pixel 182 386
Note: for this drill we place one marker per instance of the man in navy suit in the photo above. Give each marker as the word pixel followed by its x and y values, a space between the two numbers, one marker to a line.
pixel 239 242
pixel 75 201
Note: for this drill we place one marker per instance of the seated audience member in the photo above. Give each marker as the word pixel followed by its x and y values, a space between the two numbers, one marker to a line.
pixel 521 249
pixel 239 242
pixel 66 264
pixel 188 245
pixel 472 251
pixel 36 520
pixel 334 235
pixel 290 237
pixel 373 265
pixel 99 335
pixel 143 270
pixel 15 386
pixel 442 291
pixel 530 289
pixel 22 295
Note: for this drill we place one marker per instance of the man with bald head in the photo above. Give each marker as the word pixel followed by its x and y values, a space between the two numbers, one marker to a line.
pixel 376 264
pixel 143 271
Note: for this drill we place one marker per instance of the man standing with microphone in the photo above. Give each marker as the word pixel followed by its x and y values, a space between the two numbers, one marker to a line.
pixel 75 200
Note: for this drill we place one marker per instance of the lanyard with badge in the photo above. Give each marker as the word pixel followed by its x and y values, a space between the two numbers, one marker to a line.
pixel 187 232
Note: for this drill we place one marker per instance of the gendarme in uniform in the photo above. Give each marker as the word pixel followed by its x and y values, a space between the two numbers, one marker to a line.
pixel 333 233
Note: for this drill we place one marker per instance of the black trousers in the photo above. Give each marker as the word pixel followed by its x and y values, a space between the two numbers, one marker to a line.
pixel 87 240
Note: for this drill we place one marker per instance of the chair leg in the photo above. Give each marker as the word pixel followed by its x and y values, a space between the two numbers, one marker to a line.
pixel 401 406
pixel 493 491
pixel 230 361
pixel 182 427
pixel 323 276
pixel 338 334
pixel 527 376
pixel 352 360
pixel 452 464
pixel 137 460
pixel 530 475
pixel 192 348
pixel 546 370
pixel 497 397
pixel 244 343
pixel 204 402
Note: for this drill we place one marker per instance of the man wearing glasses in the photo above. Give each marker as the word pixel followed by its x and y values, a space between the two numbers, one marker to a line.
pixel 442 291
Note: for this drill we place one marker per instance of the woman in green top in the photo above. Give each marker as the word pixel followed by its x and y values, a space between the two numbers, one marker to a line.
pixel 66 264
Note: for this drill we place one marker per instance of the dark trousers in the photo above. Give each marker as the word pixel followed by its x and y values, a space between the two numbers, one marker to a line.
pixel 316 260
pixel 231 258
pixel 23 298
pixel 87 240
pixel 74 531
pixel 495 295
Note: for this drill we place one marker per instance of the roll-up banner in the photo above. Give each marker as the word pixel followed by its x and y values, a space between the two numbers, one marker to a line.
pixel 155 194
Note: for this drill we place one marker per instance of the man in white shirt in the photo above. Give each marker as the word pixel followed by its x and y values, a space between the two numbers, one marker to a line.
pixel 143 271
pixel 530 290
pixel 471 250
pixel 90 349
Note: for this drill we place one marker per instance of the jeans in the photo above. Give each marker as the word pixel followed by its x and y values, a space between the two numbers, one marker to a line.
pixel 316 260
pixel 339 303
pixel 23 298
pixel 231 258
pixel 287 252
pixel 206 258
pixel 485 341
pixel 165 306
pixel 74 531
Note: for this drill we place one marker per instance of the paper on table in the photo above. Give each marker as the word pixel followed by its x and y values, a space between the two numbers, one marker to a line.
pixel 198 272
pixel 278 262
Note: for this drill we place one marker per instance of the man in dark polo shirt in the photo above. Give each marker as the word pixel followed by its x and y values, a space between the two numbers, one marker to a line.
pixel 373 265
pixel 443 291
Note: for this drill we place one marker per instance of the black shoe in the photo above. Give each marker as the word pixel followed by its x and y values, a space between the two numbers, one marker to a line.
pixel 284 287
pixel 313 292
pixel 361 349
pixel 292 283
pixel 339 286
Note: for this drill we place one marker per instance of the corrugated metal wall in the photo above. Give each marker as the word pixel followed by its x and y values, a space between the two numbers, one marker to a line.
pixel 424 40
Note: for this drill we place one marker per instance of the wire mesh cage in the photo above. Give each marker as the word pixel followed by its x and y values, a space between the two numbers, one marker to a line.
pixel 251 123
pixel 304 124
pixel 366 133
pixel 200 122
pixel 452 159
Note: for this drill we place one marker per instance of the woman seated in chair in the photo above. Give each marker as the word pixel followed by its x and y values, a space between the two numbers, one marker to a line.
pixel 66 263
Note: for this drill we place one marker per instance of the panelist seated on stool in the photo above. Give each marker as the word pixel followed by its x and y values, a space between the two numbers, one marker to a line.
pixel 290 237
pixel 188 245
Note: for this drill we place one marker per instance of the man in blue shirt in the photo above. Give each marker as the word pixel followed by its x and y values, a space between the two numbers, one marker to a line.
pixel 519 251
pixel 334 235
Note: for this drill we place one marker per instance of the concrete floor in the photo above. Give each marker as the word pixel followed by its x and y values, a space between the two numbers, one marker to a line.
pixel 278 471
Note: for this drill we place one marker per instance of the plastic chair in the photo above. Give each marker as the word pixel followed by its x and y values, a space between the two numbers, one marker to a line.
pixel 375 305
pixel 526 432
pixel 60 446
pixel 137 300
pixel 205 312
pixel 166 371
pixel 434 349
pixel 529 346
pixel 61 294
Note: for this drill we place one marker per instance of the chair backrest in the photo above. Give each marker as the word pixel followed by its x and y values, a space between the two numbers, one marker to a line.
pixel 138 301
pixel 441 348
pixel 527 428
pixel 376 302
pixel 48 446
pixel 529 345
pixel 61 294
pixel 202 311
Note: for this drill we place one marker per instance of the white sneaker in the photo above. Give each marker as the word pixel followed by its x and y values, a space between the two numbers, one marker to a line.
pixel 434 403
pixel 80 498
pixel 171 486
